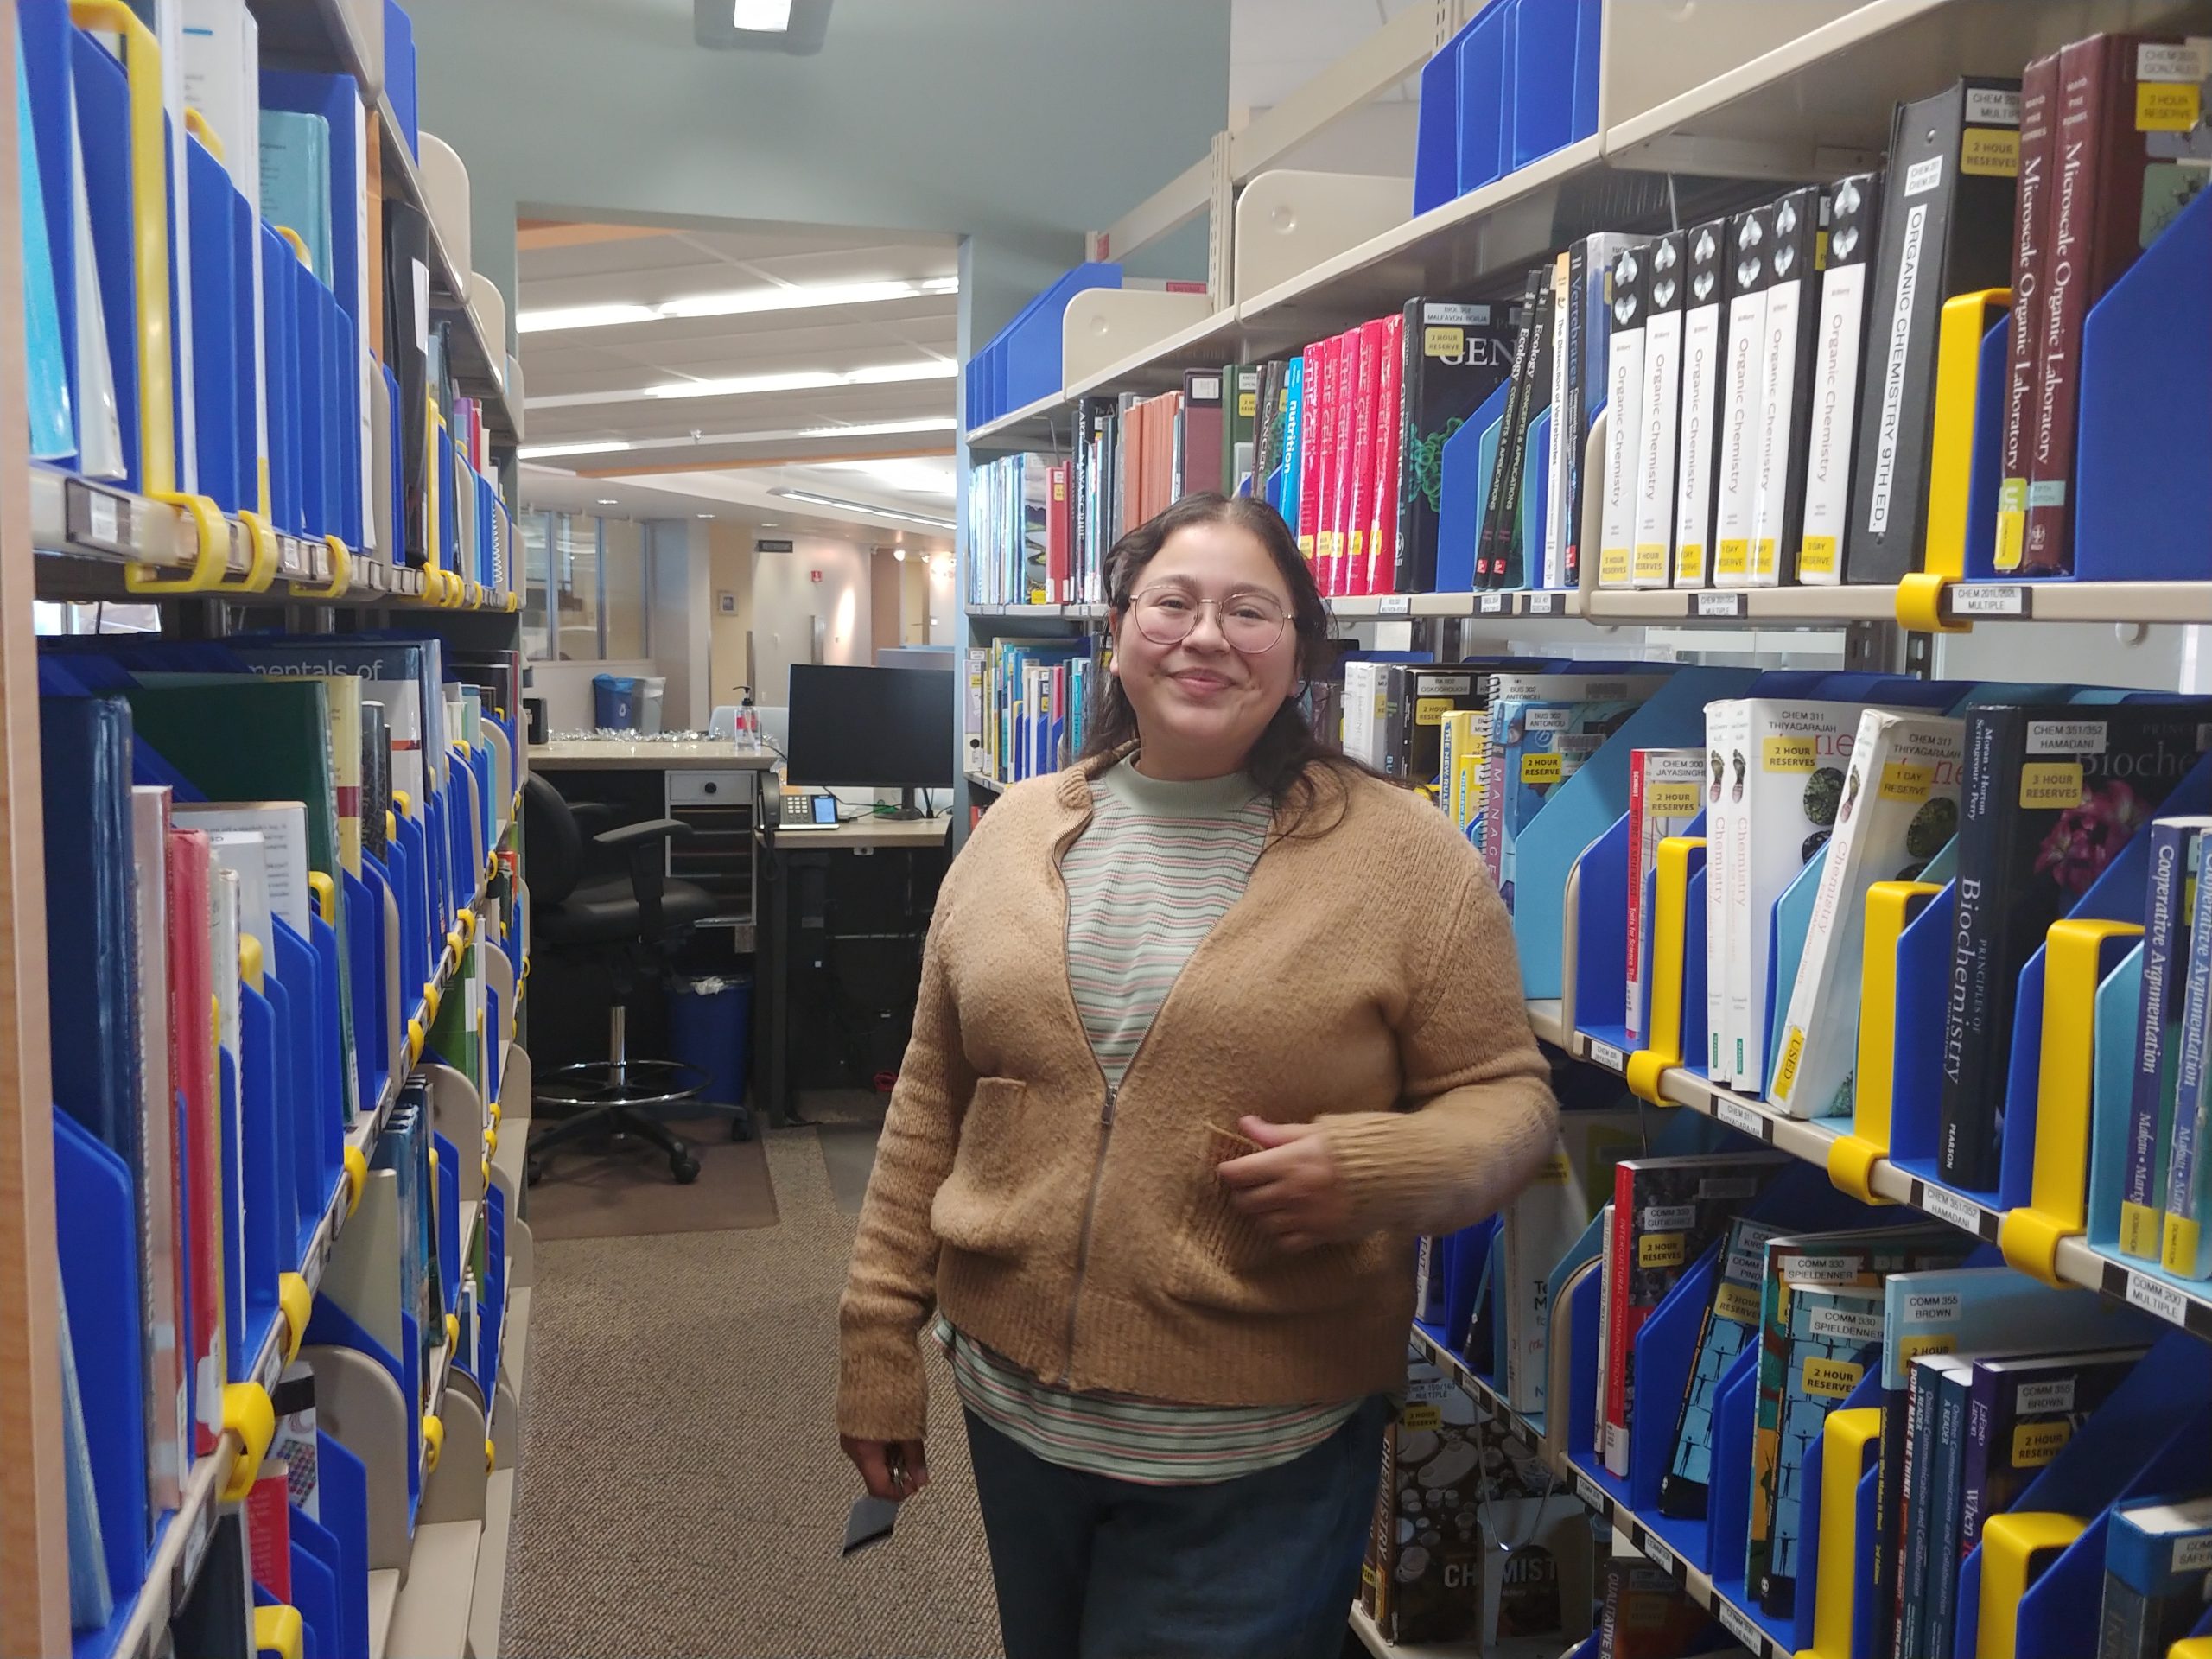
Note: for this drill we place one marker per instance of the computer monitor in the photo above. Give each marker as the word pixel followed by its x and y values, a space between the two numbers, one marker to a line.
pixel 872 727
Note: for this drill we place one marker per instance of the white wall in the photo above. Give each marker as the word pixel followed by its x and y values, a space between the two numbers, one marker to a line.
pixel 683 615
pixel 566 688
pixel 786 600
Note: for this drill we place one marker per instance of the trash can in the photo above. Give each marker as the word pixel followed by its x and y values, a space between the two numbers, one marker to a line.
pixel 710 1026
pixel 647 701
pixel 615 701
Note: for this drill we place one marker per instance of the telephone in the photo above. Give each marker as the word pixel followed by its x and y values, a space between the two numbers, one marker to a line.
pixel 802 810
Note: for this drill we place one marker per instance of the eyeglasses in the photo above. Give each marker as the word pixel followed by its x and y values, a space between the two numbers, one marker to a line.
pixel 1251 623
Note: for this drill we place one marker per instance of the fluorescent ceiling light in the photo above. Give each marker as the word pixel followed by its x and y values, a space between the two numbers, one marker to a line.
pixel 911 474
pixel 797 296
pixel 761 16
pixel 594 446
pixel 742 385
pixel 813 499
pixel 881 429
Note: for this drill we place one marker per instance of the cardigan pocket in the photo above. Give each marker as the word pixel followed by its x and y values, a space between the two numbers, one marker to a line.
pixel 980 1205
pixel 1225 1259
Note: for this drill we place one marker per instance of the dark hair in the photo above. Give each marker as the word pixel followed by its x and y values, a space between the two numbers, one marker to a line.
pixel 1290 762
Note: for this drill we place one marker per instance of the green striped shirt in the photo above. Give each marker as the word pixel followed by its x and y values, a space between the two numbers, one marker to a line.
pixel 1159 865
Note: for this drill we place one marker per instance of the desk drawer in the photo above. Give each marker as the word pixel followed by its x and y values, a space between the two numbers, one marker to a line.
pixel 731 788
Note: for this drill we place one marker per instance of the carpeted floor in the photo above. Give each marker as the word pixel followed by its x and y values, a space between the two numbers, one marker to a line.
pixel 590 1193
pixel 681 1491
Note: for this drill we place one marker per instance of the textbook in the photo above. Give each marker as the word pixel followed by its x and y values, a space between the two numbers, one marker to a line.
pixel 2020 1414
pixel 1854 217
pixel 1731 1322
pixel 1665 794
pixel 2169 907
pixel 2158 1575
pixel 1541 1225
pixel 1832 1333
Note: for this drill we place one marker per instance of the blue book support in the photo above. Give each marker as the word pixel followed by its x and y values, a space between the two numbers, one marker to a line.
pixel 317 1093
pixel 103 98
pixel 42 37
pixel 2151 1436
pixel 239 1356
pixel 404 862
pixel 1601 944
pixel 331 1325
pixel 449 1221
pixel 344 1500
pixel 215 387
pixel 1924 965
pixel 281 371
pixel 1787 924
pixel 1436 135
pixel 1536 503
pixel 377 882
pixel 1485 93
pixel 1554 58
pixel 1463 482
pixel 265 1166
pixel 313 410
pixel 1988 470
pixel 365 940
pixel 314 1590
pixel 96 1215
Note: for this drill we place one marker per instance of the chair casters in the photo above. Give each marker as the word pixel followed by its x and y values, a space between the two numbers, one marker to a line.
pixel 683 1167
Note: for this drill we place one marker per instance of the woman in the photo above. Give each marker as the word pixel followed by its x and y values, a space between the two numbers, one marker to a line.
pixel 1211 1027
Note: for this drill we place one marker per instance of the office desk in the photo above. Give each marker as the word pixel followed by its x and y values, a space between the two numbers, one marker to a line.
pixel 611 755
pixel 786 937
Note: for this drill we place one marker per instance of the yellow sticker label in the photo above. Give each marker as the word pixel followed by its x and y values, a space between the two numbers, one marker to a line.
pixel 1671 800
pixel 1557 1170
pixel 1689 564
pixel 1834 1378
pixel 1542 768
pixel 1913 1347
pixel 1902 781
pixel 1816 556
pixel 1659 1250
pixel 1430 711
pixel 2036 1444
pixel 1736 1302
pixel 1248 405
pixel 2045 784
pixel 1438 340
pixel 2167 106
pixel 1651 562
pixel 1785 1074
pixel 1763 554
pixel 1993 152
pixel 1059 486
pixel 1735 556
pixel 2011 521
pixel 1788 755
pixel 1421 1416
pixel 1358 545
pixel 1612 566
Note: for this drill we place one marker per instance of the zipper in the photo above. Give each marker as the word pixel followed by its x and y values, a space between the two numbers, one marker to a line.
pixel 1110 1093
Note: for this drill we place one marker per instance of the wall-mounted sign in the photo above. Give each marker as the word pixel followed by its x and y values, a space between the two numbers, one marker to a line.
pixel 772 544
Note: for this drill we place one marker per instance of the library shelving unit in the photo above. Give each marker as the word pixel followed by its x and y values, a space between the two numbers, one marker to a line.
pixel 1731 105
pixel 440 1480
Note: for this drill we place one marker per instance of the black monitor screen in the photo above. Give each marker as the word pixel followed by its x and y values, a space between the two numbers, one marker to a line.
pixel 871 728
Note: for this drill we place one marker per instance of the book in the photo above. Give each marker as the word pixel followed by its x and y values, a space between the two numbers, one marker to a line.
pixel 2181 1229
pixel 1541 1225
pixel 1507 565
pixel 1540 736
pixel 1795 756
pixel 2030 256
pixel 1708 303
pixel 1302 449
pixel 1435 694
pixel 2169 907
pixel 2021 1411
pixel 1565 418
pixel 1731 1324
pixel 1947 219
pixel 1854 205
pixel 2158 1575
pixel 1794 262
pixel 1644 1614
pixel 2124 163
pixel 1353 574
pixel 1242 386
pixel 1935 1409
pixel 199 1134
pixel 1665 794
pixel 1862 1257
pixel 1205 429
pixel 1389 450
pixel 1899 808
pixel 1589 319
pixel 1726 728
pixel 1736 462
pixel 1625 299
pixel 169 1428
pixel 1666 1212
pixel 1490 539
pixel 1454 355
pixel 1833 1332
pixel 2050 795
pixel 1659 404
pixel 1463 746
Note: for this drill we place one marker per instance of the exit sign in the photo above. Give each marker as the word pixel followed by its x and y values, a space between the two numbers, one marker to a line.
pixel 814 576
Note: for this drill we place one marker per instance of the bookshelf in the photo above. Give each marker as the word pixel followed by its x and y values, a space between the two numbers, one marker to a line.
pixel 68 537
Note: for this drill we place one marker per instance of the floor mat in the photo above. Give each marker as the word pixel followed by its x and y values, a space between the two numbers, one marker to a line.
pixel 628 1193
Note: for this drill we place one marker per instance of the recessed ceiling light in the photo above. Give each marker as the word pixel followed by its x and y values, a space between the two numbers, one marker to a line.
pixel 736 302
pixel 706 515
pixel 899 553
pixel 875 374
pixel 881 429
pixel 812 499
pixel 596 446
pixel 607 501
pixel 761 16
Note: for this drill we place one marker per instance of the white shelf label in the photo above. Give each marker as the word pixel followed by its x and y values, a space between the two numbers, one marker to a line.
pixel 1990 599
pixel 1543 604
pixel 1737 1115
pixel 1591 1495
pixel 2156 1296
pixel 1606 1055
pixel 1491 604
pixel 1395 604
pixel 1947 1205
pixel 103 514
pixel 1717 604
pixel 1739 1625
pixel 193 1553
pixel 1661 1557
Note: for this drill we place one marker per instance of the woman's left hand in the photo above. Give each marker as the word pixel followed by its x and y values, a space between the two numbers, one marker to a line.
pixel 1291 1186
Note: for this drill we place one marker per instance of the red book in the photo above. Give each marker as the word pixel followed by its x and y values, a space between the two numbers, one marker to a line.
pixel 1324 460
pixel 1342 446
pixel 268 1532
pixel 1389 457
pixel 1059 534
pixel 2031 243
pixel 1309 456
pixel 1359 503
pixel 199 1144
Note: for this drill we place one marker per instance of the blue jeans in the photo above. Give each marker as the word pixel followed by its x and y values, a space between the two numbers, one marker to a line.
pixel 1262 1567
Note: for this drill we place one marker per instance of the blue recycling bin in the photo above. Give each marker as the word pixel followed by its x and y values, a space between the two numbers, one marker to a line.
pixel 710 1026
pixel 615 701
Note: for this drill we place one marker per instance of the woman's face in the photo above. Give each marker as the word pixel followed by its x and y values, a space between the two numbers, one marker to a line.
pixel 1202 701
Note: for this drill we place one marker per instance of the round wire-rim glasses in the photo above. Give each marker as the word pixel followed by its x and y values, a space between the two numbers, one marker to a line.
pixel 1251 623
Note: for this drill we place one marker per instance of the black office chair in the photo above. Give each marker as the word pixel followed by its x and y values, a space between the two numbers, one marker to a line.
pixel 632 924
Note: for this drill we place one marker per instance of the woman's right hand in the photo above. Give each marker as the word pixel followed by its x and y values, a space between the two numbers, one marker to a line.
pixel 890 1469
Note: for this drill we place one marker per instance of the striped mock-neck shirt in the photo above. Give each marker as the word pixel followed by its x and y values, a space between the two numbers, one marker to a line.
pixel 1158 866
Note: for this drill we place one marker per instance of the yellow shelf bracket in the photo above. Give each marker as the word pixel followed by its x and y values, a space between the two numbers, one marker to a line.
pixel 1669 925
pixel 248 1414
pixel 1849 1442
pixel 341 572
pixel 2012 1551
pixel 357 1178
pixel 434 1440
pixel 211 564
pixel 261 573
pixel 297 1302
pixel 279 1632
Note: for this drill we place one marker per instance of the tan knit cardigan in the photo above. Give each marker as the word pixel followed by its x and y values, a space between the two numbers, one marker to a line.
pixel 1367 977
